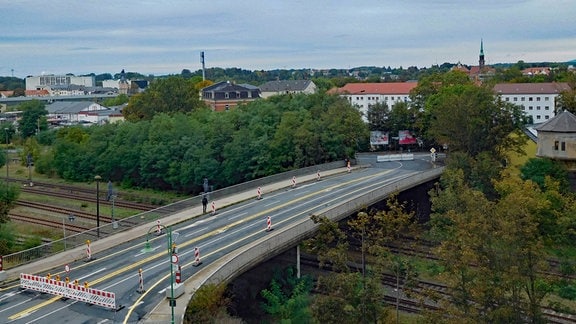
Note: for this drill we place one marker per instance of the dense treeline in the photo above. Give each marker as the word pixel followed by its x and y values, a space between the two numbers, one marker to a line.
pixel 176 151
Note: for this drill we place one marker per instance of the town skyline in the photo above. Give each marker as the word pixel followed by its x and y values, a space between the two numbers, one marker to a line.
pixel 161 39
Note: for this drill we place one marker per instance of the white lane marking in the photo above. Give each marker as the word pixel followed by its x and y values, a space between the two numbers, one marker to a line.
pixel 237 216
pixel 20 303
pixel 91 274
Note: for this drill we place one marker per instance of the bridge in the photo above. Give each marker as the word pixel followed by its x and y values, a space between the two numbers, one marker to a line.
pixel 13 101
pixel 230 242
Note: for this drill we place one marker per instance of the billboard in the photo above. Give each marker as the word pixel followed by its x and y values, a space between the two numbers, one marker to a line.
pixel 378 138
pixel 405 138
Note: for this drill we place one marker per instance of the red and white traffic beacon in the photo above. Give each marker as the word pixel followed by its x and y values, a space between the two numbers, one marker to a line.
pixel 177 285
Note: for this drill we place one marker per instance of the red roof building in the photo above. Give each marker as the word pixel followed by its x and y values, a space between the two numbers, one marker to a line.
pixel 362 95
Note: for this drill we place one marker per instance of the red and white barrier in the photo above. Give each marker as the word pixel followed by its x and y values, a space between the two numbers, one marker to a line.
pixel 67 290
pixel 197 261
pixel 158 228
pixel 88 251
pixel 259 192
pixel 140 282
pixel 213 206
pixel 178 278
pixel 348 167
pixel 318 175
pixel 293 181
pixel 268 224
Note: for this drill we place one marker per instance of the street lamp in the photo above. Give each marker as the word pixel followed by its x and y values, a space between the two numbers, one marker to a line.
pixel 98 178
pixel 70 218
pixel 147 248
pixel 7 160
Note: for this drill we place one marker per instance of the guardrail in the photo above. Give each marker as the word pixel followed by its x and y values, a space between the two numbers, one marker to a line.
pixel 395 157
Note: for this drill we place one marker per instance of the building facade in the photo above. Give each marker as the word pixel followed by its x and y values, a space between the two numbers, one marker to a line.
pixel 225 95
pixel 538 100
pixel 362 95
pixel 280 87
pixel 43 81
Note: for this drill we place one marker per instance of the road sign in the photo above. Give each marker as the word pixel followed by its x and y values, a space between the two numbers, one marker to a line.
pixel 174 258
pixel 67 269
pixel 432 150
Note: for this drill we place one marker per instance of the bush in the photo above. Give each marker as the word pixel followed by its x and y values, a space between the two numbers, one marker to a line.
pixel 567 292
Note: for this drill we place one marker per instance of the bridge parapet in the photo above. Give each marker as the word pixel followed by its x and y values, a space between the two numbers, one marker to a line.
pixel 281 239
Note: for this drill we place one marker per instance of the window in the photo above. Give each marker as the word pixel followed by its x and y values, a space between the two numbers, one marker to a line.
pixel 507 99
pixel 385 98
pixel 545 98
pixel 546 108
pixel 226 95
pixel 546 117
pixel 537 98
pixel 563 145
pixel 556 143
pixel 537 116
pixel 537 107
pixel 530 108
pixel 522 99
pixel 529 98
pixel 515 99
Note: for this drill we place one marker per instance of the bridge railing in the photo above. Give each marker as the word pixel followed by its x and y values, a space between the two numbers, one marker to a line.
pixel 75 240
pixel 242 259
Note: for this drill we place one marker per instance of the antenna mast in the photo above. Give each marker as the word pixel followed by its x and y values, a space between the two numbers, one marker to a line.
pixel 203 66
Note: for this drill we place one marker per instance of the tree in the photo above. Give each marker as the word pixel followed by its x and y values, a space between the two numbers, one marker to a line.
pixel 566 101
pixel 169 95
pixel 377 116
pixel 471 119
pixel 208 303
pixel 116 101
pixel 8 196
pixel 33 118
pixel 288 298
pixel 537 169
pixel 492 251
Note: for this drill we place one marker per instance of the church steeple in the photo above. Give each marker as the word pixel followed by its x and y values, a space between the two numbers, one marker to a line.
pixel 481 61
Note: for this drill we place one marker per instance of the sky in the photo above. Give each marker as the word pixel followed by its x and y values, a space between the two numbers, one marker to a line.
pixel 166 36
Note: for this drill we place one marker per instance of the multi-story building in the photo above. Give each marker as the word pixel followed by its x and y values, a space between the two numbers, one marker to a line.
pixel 362 95
pixel 279 87
pixel 43 81
pixel 538 100
pixel 225 95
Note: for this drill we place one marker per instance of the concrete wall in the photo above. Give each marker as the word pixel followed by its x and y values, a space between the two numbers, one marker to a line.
pixel 278 241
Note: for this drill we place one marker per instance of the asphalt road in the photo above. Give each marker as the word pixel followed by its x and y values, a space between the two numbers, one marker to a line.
pixel 117 270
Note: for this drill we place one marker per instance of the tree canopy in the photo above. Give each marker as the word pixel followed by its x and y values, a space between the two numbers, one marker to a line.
pixel 177 151
pixel 167 95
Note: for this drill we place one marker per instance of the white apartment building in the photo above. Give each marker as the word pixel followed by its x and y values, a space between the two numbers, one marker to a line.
pixel 43 81
pixel 362 95
pixel 538 100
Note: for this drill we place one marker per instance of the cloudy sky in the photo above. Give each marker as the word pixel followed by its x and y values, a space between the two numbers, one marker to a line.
pixel 165 36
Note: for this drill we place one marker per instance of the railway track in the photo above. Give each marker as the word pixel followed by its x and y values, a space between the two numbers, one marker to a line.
pixel 67 211
pixel 47 223
pixel 72 194
pixel 416 307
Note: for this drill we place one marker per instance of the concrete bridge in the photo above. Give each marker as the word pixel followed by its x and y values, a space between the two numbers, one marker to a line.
pixel 240 260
